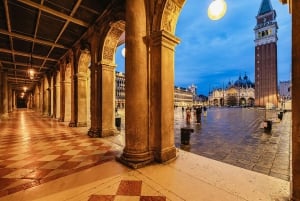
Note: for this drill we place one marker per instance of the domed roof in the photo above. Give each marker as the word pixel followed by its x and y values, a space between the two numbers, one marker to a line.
pixel 243 82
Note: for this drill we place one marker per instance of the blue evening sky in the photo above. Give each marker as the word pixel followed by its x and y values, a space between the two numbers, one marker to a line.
pixel 213 52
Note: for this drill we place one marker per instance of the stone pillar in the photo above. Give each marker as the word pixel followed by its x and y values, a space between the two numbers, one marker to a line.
pixel 53 96
pixel 62 91
pixel 51 109
pixel 94 130
pixel 14 99
pixel 73 95
pixel 4 95
pixel 295 183
pixel 57 96
pixel 162 95
pixel 136 152
pixel 37 98
pixel 67 94
pixel 41 97
pixel 88 92
pixel 1 93
pixel 9 99
pixel 107 104
pixel 82 99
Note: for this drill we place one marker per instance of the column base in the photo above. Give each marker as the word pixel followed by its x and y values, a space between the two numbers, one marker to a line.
pixel 108 132
pixel 81 124
pixel 72 124
pixel 94 132
pixel 135 161
pixel 4 116
pixel 166 155
pixel 60 120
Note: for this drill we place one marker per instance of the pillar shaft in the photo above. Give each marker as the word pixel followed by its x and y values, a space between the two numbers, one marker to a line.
pixel 62 92
pixel 4 95
pixel 136 152
pixel 106 102
pixel 58 98
pixel 73 95
pixel 94 130
pixel 10 99
pixel 1 93
pixel 82 99
pixel 14 99
pixel 295 184
pixel 162 95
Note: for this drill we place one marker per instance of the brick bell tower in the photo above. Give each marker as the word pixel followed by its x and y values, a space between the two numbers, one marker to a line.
pixel 266 56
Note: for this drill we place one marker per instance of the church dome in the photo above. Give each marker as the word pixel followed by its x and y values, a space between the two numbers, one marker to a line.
pixel 244 82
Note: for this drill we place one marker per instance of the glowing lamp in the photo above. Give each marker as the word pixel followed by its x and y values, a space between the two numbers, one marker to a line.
pixel 217 9
pixel 31 73
pixel 123 52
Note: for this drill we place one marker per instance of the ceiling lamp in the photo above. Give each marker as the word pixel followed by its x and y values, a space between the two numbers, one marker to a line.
pixel 25 89
pixel 30 69
pixel 217 9
pixel 123 52
pixel 31 73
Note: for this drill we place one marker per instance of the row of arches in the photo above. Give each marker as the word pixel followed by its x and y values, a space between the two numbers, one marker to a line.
pixel 81 91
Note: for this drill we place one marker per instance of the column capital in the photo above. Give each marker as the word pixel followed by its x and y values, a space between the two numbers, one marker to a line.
pixel 163 38
pixel 107 66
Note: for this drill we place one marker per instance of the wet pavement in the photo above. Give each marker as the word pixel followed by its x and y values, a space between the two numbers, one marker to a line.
pixel 235 136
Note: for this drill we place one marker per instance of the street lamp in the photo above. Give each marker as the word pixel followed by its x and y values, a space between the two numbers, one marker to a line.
pixel 217 9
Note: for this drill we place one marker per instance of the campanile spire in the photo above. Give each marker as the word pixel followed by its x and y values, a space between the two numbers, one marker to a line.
pixel 266 56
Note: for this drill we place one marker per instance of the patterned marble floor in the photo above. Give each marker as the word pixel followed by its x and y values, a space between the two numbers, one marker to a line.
pixel 35 150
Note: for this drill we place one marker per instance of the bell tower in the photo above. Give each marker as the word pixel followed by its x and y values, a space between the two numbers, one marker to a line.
pixel 266 56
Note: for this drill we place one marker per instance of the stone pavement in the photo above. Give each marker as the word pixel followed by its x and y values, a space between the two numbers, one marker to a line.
pixel 234 136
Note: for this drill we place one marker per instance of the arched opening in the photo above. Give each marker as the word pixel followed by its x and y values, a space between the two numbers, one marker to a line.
pixel 243 102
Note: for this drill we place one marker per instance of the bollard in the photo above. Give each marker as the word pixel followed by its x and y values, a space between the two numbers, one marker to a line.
pixel 118 122
pixel 267 126
pixel 185 135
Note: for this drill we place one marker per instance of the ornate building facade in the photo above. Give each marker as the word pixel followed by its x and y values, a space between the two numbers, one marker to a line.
pixel 266 91
pixel 238 93
pixel 120 89
pixel 183 96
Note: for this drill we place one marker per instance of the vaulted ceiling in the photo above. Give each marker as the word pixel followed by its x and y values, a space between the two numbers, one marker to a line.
pixel 38 33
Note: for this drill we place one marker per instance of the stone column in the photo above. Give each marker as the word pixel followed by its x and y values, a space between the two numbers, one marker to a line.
pixel 4 95
pixel 136 152
pixel 162 95
pixel 9 99
pixel 58 97
pixel 54 94
pixel 82 99
pixel 14 99
pixel 62 91
pixel 41 96
pixel 67 94
pixel 1 93
pixel 94 130
pixel 73 90
pixel 295 183
pixel 107 104
pixel 51 109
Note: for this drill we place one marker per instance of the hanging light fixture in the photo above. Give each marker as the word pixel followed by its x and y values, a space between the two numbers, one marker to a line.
pixel 217 9
pixel 30 69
